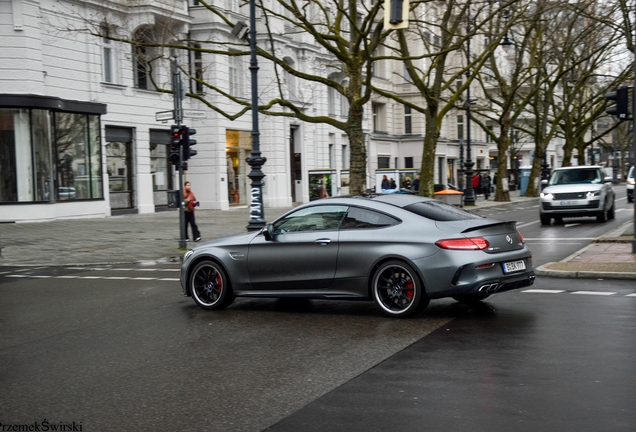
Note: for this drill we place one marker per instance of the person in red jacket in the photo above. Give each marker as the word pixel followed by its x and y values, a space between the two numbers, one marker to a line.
pixel 190 202
pixel 475 181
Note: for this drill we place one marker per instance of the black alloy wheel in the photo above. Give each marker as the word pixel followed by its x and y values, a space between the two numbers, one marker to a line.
pixel 210 287
pixel 398 291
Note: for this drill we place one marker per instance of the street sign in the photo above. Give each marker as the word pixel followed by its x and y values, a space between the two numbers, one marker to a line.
pixel 164 115
pixel 194 114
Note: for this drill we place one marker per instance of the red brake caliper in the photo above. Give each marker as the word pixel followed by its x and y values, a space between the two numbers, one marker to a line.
pixel 410 289
pixel 219 282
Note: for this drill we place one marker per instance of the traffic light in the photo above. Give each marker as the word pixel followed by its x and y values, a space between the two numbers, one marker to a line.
pixel 623 107
pixel 187 142
pixel 175 143
pixel 396 14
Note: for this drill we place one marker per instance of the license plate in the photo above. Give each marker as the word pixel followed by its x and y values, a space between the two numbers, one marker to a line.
pixel 568 203
pixel 514 266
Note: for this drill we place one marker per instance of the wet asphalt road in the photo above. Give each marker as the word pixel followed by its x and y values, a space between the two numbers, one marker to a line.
pixel 85 345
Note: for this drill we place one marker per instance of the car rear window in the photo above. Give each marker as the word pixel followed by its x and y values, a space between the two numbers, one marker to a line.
pixel 440 211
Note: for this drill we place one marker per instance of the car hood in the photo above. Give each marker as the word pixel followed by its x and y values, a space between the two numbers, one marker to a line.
pixel 235 239
pixel 573 188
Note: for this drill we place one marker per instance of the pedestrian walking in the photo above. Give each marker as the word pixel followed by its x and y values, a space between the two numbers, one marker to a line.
pixel 485 185
pixel 475 183
pixel 416 183
pixel 385 182
pixel 393 185
pixel 190 202
pixel 406 184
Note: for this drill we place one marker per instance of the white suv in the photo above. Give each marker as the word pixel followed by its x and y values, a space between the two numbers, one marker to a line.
pixel 577 192
pixel 630 185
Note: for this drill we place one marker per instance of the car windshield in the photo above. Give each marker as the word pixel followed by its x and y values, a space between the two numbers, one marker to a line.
pixel 573 176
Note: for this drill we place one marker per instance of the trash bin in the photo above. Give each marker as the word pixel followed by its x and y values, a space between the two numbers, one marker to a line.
pixel 173 199
pixel 525 179
pixel 450 196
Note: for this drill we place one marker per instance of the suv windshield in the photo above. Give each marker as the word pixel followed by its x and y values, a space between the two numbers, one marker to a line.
pixel 572 176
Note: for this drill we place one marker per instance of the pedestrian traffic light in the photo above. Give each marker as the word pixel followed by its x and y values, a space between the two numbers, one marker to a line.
pixel 396 14
pixel 623 98
pixel 175 143
pixel 187 142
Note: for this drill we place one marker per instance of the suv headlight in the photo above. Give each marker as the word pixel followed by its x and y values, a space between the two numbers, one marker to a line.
pixel 630 181
pixel 547 196
pixel 593 193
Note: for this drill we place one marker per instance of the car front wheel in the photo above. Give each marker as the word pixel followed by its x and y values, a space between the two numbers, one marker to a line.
pixel 397 290
pixel 545 220
pixel 603 216
pixel 210 287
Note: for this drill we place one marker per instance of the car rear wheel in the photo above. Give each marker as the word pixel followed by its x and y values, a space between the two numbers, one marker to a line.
pixel 471 298
pixel 210 287
pixel 397 290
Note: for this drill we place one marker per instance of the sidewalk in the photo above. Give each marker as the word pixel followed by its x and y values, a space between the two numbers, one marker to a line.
pixel 154 238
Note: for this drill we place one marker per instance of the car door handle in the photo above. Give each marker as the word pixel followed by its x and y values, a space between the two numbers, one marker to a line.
pixel 323 241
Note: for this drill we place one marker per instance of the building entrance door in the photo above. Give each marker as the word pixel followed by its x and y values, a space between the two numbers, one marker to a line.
pixel 120 168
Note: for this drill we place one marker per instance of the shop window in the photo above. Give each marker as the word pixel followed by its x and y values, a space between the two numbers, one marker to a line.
pixel 78 147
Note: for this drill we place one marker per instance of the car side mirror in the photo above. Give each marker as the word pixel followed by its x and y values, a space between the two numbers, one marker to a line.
pixel 608 179
pixel 544 182
pixel 268 232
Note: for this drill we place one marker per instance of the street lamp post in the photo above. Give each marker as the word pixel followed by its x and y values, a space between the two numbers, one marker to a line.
pixel 255 161
pixel 469 192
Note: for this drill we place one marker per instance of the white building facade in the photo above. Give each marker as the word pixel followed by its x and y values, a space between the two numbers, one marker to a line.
pixel 78 129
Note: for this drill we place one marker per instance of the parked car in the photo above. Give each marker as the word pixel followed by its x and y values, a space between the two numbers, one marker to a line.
pixel 66 193
pixel 398 250
pixel 630 185
pixel 577 192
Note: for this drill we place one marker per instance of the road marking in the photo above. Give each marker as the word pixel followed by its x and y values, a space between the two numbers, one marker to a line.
pixel 571 225
pixel 527 224
pixel 559 239
pixel 542 291
pixel 599 293
pixel 630 295
pixel 169 279
pixel 116 277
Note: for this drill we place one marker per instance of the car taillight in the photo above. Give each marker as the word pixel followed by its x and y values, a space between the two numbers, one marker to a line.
pixel 521 237
pixel 472 243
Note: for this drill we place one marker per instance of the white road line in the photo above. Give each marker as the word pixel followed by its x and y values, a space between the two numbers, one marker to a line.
pixel 630 295
pixel 142 278
pixel 598 293
pixel 18 276
pixel 527 224
pixel 169 279
pixel 66 277
pixel 559 239
pixel 116 277
pixel 542 291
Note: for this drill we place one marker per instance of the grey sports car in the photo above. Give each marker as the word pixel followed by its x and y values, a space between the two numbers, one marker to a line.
pixel 398 250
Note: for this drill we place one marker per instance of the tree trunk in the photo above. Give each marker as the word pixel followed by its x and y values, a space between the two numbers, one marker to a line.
pixel 358 155
pixel 427 173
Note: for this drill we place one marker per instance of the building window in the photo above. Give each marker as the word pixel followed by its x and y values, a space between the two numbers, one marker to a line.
pixel 460 127
pixel 408 162
pixel 408 120
pixel 108 58
pixel 384 162
pixel 345 157
pixel 197 69
pixel 79 158
pixel 379 117
pixel 236 71
pixel 143 58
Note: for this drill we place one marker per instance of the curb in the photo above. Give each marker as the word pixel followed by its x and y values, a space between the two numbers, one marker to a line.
pixel 545 270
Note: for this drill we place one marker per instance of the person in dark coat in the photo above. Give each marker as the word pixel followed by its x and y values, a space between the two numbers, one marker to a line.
pixel 385 183
pixel 416 183
pixel 485 185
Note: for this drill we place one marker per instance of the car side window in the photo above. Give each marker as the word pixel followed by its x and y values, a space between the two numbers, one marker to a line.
pixel 318 218
pixel 360 218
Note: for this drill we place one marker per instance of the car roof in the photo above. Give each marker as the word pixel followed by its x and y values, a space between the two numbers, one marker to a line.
pixel 397 200
pixel 578 167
